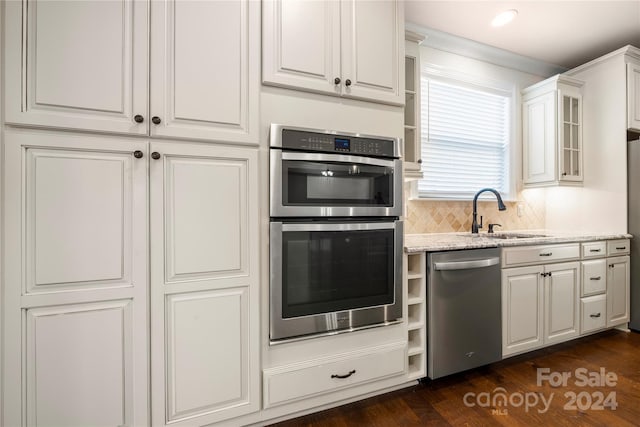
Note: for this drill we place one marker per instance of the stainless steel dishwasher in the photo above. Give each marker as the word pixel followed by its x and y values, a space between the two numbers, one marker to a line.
pixel 464 310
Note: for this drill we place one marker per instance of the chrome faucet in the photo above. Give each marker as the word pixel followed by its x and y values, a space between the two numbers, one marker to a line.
pixel 474 225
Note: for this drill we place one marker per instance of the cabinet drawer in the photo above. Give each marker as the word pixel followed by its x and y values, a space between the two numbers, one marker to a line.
pixel 539 254
pixel 594 277
pixel 618 247
pixel 594 249
pixel 594 310
pixel 302 380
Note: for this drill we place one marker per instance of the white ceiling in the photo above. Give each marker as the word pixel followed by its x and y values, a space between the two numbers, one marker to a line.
pixel 563 33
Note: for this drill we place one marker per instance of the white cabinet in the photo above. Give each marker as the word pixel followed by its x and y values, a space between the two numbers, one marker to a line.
pixel 539 306
pixel 192 73
pixel 344 48
pixel 75 336
pixel 522 309
pixel 561 299
pixel 540 303
pixel 633 96
pixel 80 310
pixel 552 132
pixel 412 138
pixel 290 383
pixel 618 284
pixel 204 289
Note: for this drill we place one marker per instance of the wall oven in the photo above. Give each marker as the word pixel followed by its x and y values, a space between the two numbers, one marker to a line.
pixel 336 240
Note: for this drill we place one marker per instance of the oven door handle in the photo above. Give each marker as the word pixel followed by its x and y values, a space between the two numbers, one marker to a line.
pixel 340 226
pixel 340 158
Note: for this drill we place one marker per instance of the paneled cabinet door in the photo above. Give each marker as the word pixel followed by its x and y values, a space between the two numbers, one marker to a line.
pixel 373 49
pixel 633 96
pixel 86 65
pixel 301 44
pixel 205 69
pixel 618 284
pixel 539 136
pixel 346 48
pixel 562 298
pixel 522 309
pixel 75 286
pixel 204 283
pixel 77 65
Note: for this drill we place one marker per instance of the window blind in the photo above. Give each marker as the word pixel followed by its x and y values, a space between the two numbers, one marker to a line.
pixel 464 141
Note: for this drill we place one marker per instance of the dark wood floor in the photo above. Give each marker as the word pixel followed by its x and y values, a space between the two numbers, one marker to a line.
pixel 441 402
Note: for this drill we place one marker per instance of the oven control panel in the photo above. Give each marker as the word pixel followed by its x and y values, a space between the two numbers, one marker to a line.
pixel 337 143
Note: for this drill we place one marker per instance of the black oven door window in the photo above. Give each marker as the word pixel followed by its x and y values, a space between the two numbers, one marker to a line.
pixel 309 183
pixel 328 271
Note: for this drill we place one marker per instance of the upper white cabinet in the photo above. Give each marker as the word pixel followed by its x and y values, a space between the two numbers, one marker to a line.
pixel 552 132
pixel 412 141
pixel 344 48
pixel 192 73
pixel 633 95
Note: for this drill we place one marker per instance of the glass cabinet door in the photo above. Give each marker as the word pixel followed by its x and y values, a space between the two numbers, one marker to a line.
pixel 570 138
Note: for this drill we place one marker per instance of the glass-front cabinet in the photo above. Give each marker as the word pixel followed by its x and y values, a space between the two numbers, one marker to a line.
pixel 552 132
pixel 412 149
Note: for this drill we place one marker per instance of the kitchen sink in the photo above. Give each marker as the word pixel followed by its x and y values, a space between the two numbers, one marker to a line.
pixel 514 235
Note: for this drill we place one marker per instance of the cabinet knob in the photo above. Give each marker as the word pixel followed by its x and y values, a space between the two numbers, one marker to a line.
pixel 138 154
pixel 337 80
pixel 138 118
pixel 347 82
pixel 155 155
pixel 564 174
pixel 420 161
pixel 156 120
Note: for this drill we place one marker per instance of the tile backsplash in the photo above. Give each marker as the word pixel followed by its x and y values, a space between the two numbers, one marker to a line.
pixel 431 216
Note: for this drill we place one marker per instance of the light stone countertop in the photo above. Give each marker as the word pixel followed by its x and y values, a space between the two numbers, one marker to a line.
pixel 431 242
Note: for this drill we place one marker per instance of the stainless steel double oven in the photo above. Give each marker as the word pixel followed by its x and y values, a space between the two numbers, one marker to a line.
pixel 335 235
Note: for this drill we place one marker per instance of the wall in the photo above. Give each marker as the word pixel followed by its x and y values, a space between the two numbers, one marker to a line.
pixel 600 205
pixel 429 216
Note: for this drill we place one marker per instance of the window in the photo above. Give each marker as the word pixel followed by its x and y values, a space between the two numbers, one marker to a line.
pixel 466 134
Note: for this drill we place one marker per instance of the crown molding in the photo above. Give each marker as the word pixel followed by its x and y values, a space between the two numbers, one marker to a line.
pixel 461 46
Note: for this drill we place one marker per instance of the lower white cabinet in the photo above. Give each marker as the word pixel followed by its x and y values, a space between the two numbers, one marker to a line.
pixel 79 329
pixel 561 299
pixel 539 306
pixel 290 383
pixel 204 289
pixel 555 302
pixel 618 282
pixel 594 313
pixel 522 309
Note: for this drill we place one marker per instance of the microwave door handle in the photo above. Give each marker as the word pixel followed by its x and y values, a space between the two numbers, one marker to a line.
pixel 338 158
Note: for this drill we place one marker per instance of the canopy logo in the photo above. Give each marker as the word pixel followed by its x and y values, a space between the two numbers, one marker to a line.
pixel 499 400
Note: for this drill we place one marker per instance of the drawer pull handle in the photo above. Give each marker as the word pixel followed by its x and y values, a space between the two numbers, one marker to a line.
pixel 595 250
pixel 353 371
pixel 595 278
pixel 621 248
pixel 595 316
pixel 546 254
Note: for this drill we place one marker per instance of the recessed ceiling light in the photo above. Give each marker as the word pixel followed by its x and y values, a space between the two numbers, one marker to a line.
pixel 503 18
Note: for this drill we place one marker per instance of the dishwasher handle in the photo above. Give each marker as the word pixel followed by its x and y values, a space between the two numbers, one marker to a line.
pixel 465 265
